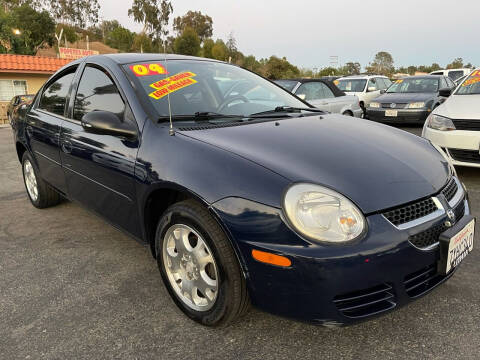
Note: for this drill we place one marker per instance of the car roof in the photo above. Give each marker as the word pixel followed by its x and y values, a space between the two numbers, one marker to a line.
pixel 125 58
pixel 423 77
pixel 366 76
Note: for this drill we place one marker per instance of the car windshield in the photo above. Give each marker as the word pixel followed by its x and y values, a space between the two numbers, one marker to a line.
pixel 351 85
pixel 414 85
pixel 287 84
pixel 471 86
pixel 206 87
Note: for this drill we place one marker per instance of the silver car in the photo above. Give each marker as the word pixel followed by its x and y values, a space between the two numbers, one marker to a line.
pixel 324 95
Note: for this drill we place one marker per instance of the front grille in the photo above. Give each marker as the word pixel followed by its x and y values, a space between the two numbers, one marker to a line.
pixel 407 213
pixel 470 156
pixel 397 106
pixel 450 190
pixel 421 281
pixel 366 302
pixel 430 236
pixel 473 125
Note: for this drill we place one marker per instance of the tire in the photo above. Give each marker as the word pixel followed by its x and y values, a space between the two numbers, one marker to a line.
pixel 347 113
pixel 225 297
pixel 41 194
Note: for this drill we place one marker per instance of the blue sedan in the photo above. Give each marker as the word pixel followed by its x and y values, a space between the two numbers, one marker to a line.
pixel 244 193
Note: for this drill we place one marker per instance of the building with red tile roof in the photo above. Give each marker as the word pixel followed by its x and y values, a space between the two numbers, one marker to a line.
pixel 24 74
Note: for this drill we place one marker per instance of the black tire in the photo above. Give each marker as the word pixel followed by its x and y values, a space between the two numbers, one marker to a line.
pixel 232 300
pixel 47 196
pixel 347 113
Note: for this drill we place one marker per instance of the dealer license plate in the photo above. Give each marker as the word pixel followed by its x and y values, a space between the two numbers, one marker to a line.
pixel 392 113
pixel 460 246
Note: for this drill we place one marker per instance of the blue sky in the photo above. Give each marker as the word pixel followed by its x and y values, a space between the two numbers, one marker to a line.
pixel 308 32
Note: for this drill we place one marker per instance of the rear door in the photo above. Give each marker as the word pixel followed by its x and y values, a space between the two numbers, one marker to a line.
pixel 99 169
pixel 43 124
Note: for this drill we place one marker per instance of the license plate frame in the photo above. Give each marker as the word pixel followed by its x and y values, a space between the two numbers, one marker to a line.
pixel 455 244
pixel 391 113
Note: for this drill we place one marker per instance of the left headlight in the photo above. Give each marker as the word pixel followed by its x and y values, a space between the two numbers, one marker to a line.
pixel 441 123
pixel 416 105
pixel 374 105
pixel 322 214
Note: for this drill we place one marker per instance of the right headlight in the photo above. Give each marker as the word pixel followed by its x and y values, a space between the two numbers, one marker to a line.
pixel 374 105
pixel 441 123
pixel 322 214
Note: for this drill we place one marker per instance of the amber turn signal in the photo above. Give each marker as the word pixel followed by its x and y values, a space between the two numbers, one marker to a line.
pixel 270 258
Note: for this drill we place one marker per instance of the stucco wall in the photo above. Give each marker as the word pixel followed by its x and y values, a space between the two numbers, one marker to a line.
pixel 34 82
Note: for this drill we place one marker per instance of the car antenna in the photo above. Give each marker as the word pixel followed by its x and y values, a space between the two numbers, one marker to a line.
pixel 171 131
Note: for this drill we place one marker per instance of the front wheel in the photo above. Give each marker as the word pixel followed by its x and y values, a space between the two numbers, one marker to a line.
pixel 198 265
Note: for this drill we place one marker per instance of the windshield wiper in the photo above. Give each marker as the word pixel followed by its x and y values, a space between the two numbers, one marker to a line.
pixel 199 116
pixel 285 109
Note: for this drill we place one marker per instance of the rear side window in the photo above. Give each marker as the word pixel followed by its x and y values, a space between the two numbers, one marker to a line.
pixel 97 91
pixel 454 75
pixel 54 97
pixel 381 84
pixel 315 91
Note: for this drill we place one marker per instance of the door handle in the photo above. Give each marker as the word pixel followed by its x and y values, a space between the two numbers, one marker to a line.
pixel 29 130
pixel 66 147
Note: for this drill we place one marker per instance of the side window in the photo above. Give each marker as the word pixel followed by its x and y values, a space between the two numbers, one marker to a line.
pixel 312 91
pixel 372 85
pixel 381 84
pixel 450 83
pixel 387 82
pixel 455 74
pixel 55 95
pixel 443 83
pixel 328 94
pixel 96 91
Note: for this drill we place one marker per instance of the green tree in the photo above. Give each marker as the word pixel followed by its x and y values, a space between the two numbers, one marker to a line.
pixel 188 43
pixel 202 24
pixel 207 48
pixel 382 64
pixel 411 70
pixel 328 71
pixel 36 29
pixel 154 15
pixel 69 32
pixel 280 68
pixel 252 64
pixel 120 38
pixel 220 50
pixel 75 12
pixel 142 43
pixel 351 68
pixel 456 64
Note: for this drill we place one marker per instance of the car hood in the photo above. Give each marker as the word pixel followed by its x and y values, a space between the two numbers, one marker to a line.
pixel 404 97
pixel 376 166
pixel 463 107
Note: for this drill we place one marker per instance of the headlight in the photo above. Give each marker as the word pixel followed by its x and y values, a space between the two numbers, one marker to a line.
pixel 440 123
pixel 322 214
pixel 416 105
pixel 374 105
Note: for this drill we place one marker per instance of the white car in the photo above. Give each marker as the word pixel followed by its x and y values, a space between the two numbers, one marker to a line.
pixel 324 95
pixel 455 125
pixel 365 87
pixel 453 74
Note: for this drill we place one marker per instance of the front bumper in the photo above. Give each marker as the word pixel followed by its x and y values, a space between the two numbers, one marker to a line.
pixel 404 116
pixel 330 285
pixel 461 146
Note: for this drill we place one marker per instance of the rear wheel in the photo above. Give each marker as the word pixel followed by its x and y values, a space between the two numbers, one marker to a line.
pixel 198 265
pixel 347 113
pixel 41 194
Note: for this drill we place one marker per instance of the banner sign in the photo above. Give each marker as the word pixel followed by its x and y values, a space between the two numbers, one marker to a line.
pixel 70 53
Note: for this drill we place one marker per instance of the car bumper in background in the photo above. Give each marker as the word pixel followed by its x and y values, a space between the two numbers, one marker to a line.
pixel 404 116
pixel 326 284
pixel 461 146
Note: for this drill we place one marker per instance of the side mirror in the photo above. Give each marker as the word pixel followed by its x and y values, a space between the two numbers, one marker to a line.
pixel 383 91
pixel 107 123
pixel 445 92
pixel 302 96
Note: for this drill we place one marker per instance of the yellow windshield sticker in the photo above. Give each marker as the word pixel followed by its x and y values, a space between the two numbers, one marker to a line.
pixel 148 69
pixel 399 81
pixel 336 82
pixel 472 79
pixel 172 84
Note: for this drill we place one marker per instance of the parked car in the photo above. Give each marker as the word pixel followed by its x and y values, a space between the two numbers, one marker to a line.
pixel 15 104
pixel 455 125
pixel 365 87
pixel 323 95
pixel 453 74
pixel 410 100
pixel 246 194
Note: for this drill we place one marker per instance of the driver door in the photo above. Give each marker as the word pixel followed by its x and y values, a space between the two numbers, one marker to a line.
pixel 99 169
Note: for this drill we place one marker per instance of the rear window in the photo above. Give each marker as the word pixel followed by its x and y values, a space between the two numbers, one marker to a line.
pixel 454 75
pixel 287 84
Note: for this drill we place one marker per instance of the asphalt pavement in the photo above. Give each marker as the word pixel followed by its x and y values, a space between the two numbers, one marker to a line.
pixel 73 287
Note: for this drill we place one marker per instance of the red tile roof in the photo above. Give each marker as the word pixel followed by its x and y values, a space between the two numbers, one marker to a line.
pixel 30 64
